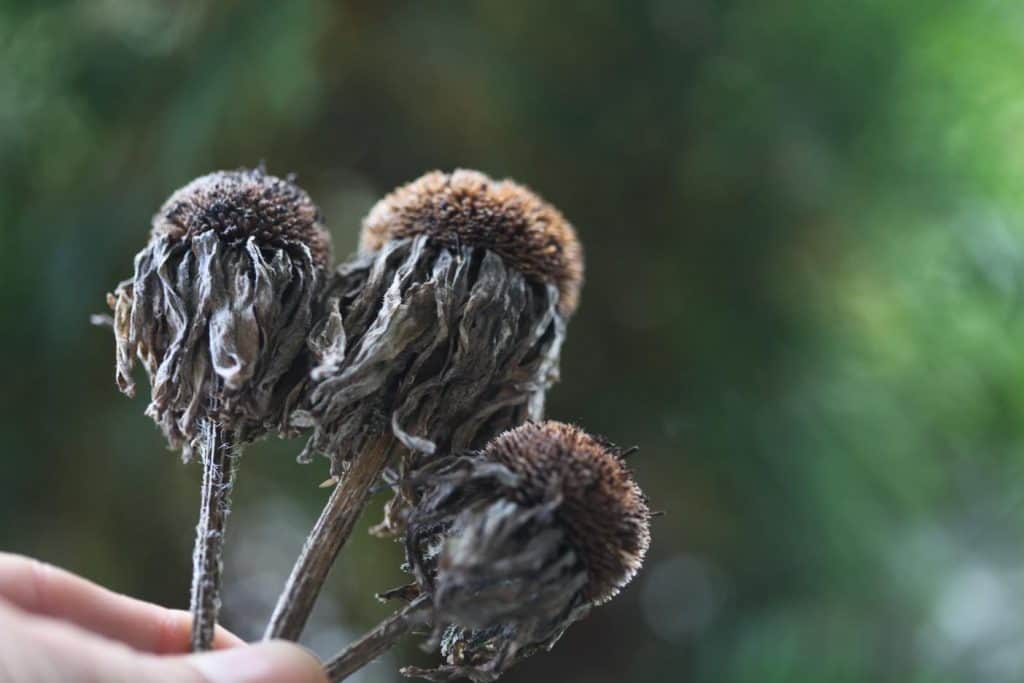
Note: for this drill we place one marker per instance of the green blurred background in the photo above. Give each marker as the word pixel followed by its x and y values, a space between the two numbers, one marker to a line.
pixel 805 260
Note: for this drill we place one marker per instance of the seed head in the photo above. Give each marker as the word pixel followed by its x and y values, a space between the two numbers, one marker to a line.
pixel 519 540
pixel 467 207
pixel 220 305
pixel 446 328
pixel 603 510
pixel 245 203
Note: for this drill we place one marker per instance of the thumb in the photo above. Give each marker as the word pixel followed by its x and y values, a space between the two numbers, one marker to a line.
pixel 44 650
pixel 273 662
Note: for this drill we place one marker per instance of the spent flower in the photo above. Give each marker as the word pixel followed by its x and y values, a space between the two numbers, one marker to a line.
pixel 520 540
pixel 218 312
pixel 509 546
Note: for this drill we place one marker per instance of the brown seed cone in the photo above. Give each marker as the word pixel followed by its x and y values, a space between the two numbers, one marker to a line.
pixel 605 514
pixel 447 328
pixel 518 541
pixel 467 207
pixel 221 303
pixel 245 203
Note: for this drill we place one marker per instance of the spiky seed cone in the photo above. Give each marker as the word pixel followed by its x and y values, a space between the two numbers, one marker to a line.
pixel 605 514
pixel 510 545
pixel 221 303
pixel 520 540
pixel 468 207
pixel 461 292
pixel 243 204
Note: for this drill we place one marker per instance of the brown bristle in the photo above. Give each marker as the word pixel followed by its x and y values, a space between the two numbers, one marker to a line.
pixel 603 510
pixel 242 204
pixel 467 207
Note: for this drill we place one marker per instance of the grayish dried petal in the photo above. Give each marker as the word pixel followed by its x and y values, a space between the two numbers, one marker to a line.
pixel 505 581
pixel 218 327
pixel 446 347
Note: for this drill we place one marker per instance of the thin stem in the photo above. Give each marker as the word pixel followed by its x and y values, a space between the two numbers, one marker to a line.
pixel 220 458
pixel 378 641
pixel 325 541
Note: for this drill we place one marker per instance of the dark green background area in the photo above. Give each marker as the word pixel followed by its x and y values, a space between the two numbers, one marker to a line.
pixel 804 299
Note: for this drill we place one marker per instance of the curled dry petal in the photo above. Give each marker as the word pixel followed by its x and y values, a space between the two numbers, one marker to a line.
pixel 445 347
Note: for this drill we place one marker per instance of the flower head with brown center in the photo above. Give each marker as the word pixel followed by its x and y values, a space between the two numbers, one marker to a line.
pixel 446 329
pixel 221 303
pixel 519 540
pixel 602 509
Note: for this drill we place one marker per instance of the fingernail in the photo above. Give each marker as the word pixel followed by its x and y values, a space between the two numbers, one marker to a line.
pixel 271 662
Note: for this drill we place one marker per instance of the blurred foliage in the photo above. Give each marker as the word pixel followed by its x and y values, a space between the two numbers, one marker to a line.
pixel 804 298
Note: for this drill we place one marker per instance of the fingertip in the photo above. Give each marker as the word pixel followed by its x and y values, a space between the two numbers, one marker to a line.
pixel 173 634
pixel 300 658
pixel 270 662
pixel 224 639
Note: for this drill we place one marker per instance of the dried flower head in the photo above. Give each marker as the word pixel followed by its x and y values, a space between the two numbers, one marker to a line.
pixel 602 509
pixel 448 326
pixel 221 303
pixel 521 539
pixel 218 312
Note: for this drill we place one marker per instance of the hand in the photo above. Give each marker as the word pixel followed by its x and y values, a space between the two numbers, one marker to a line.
pixel 58 628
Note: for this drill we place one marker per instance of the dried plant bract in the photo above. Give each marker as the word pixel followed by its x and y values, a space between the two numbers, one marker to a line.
pixel 518 541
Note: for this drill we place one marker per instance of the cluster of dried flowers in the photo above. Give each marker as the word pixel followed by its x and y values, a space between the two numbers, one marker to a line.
pixel 422 363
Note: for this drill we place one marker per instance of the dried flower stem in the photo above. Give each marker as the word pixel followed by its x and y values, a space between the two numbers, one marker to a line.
pixel 220 458
pixel 325 541
pixel 378 641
